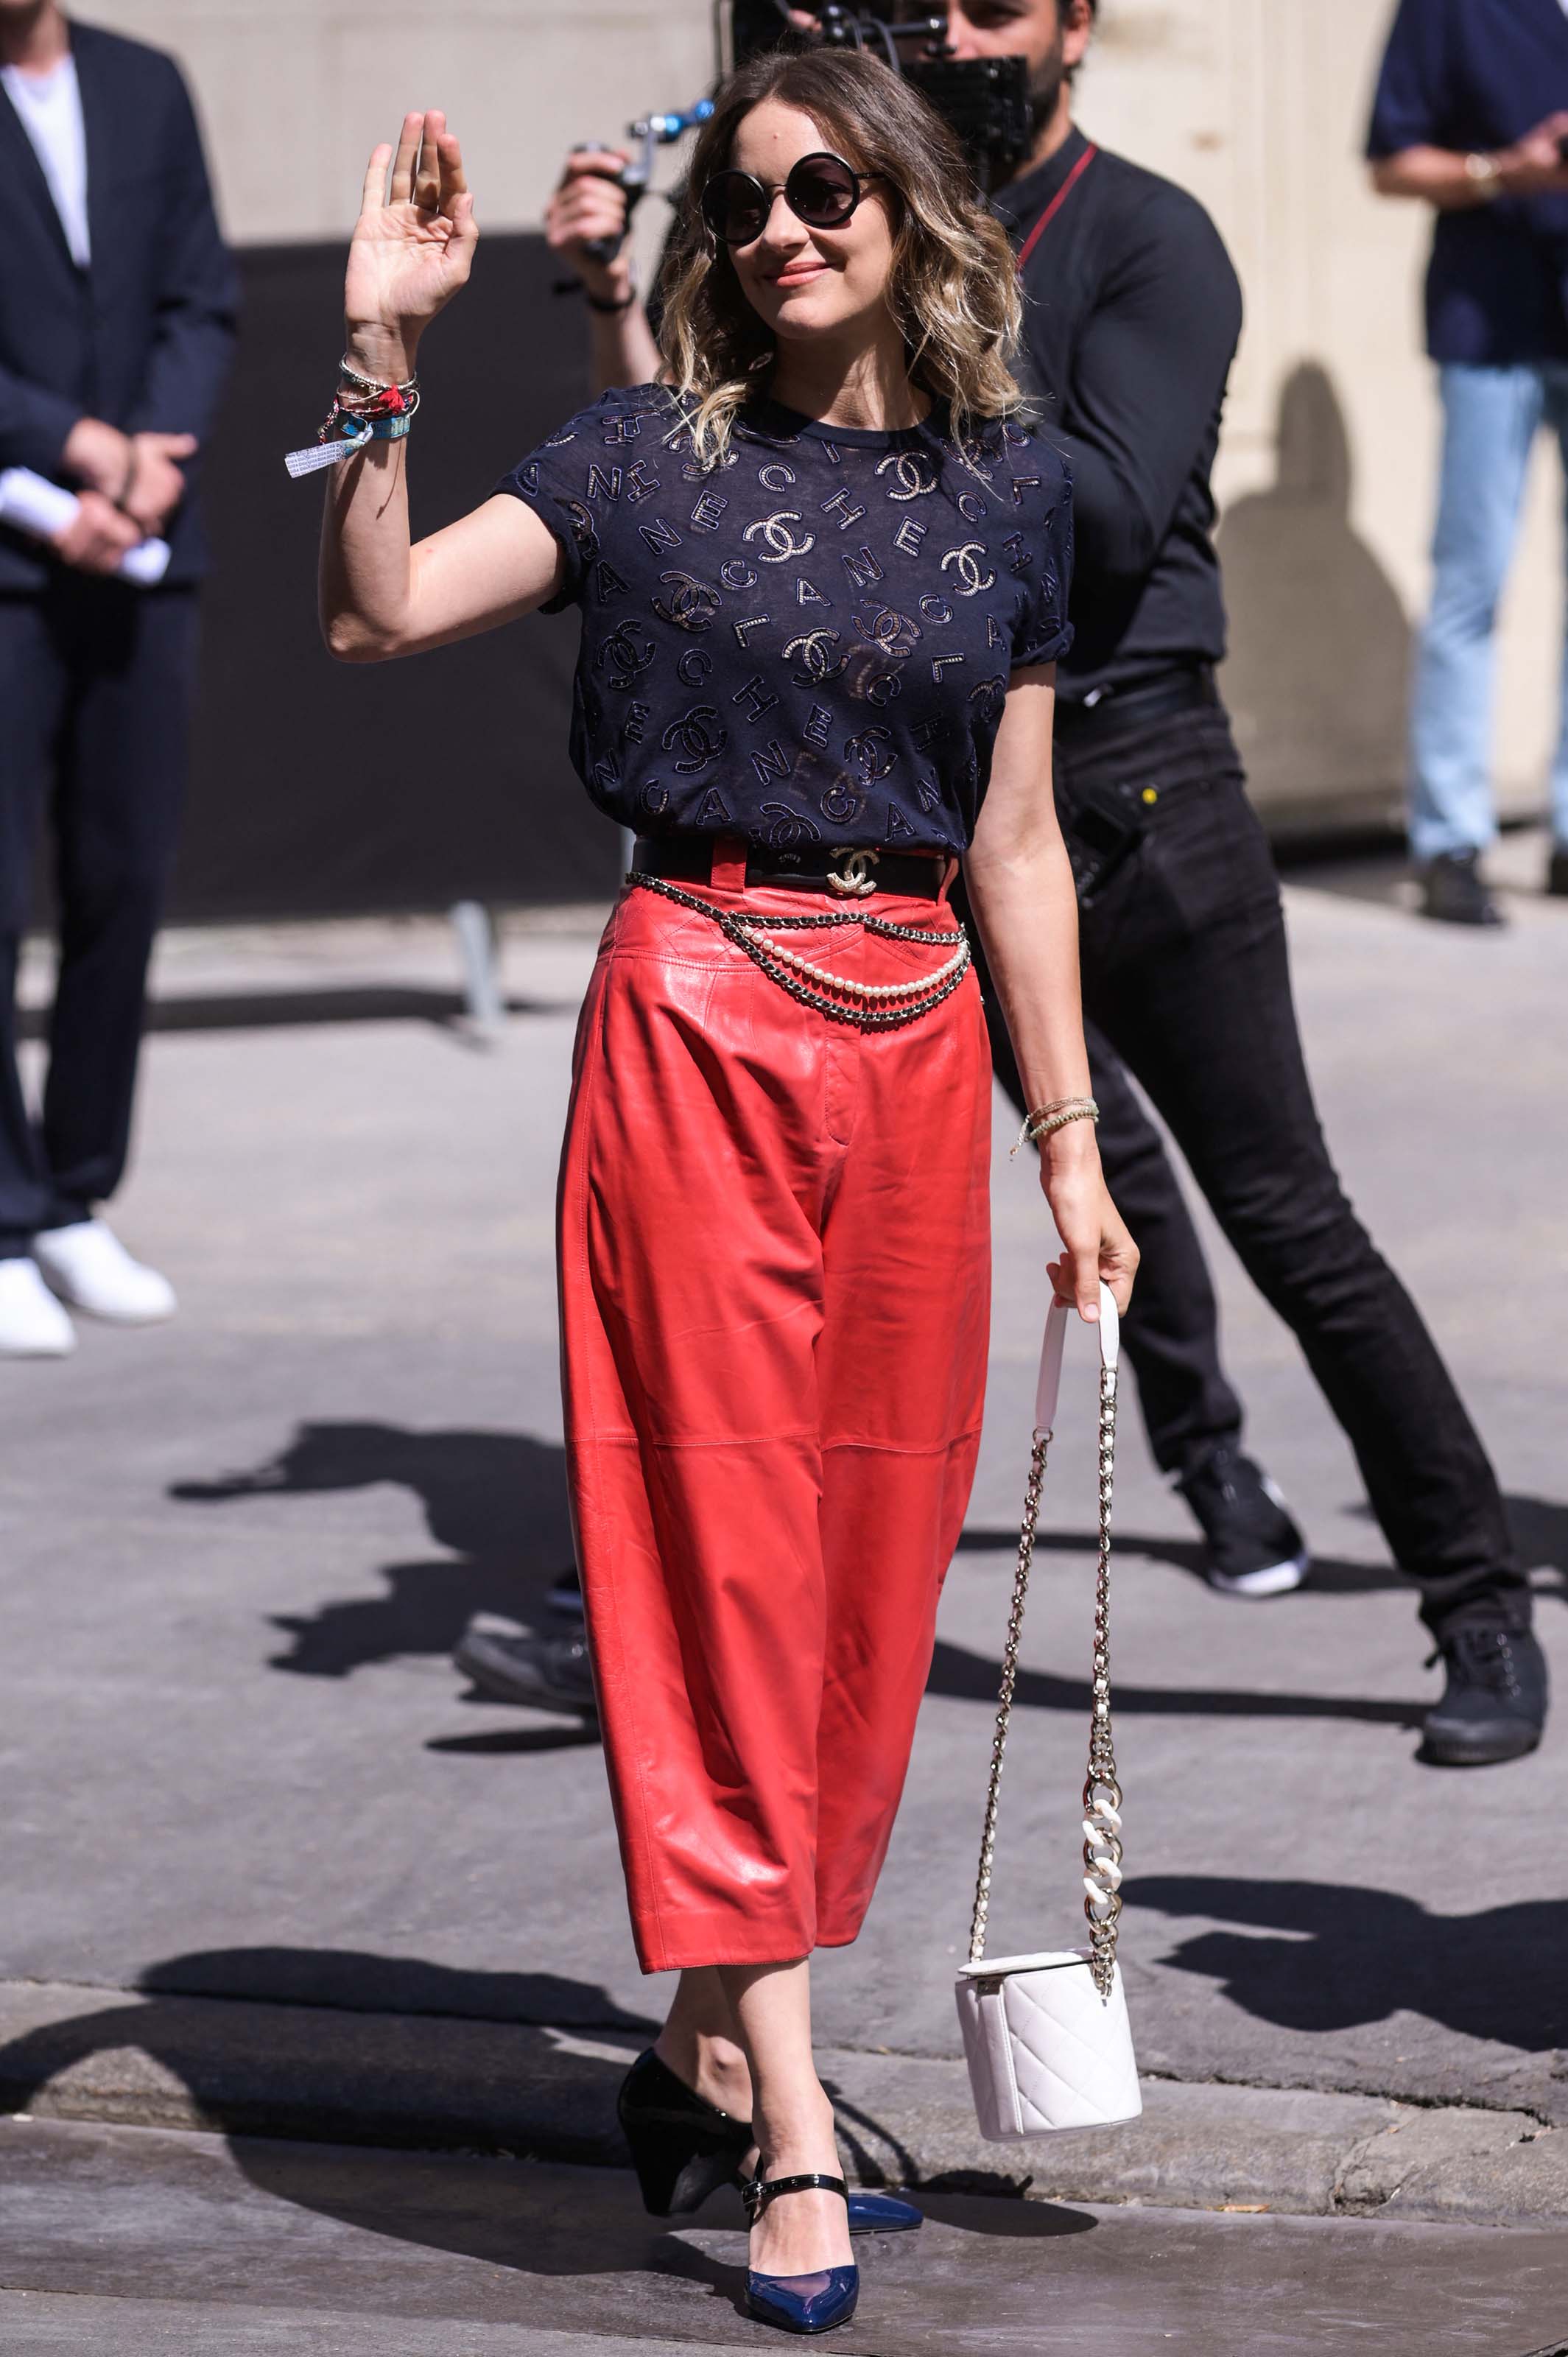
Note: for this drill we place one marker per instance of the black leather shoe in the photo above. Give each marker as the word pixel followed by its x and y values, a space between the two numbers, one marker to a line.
pixel 1254 1547
pixel 1557 874
pixel 1454 892
pixel 683 2148
pixel 1494 1705
pixel 540 1672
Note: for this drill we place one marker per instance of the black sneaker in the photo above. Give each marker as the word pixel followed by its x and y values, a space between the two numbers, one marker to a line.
pixel 1557 873
pixel 1494 1705
pixel 1454 892
pixel 540 1672
pixel 1254 1547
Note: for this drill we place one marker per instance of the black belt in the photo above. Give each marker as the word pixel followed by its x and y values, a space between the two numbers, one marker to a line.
pixel 849 874
pixel 1182 691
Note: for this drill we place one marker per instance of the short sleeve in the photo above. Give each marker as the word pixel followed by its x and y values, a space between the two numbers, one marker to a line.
pixel 1039 553
pixel 1410 103
pixel 557 481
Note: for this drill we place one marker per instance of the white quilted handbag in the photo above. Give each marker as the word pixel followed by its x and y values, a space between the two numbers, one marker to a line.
pixel 1047 2036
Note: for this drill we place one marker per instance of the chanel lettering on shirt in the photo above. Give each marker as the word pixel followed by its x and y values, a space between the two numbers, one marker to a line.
pixel 810 642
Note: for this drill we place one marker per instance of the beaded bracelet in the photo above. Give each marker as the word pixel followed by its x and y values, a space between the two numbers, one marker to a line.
pixel 1046 1120
pixel 381 413
pixel 350 376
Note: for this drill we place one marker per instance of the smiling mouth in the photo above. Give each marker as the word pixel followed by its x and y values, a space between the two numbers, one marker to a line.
pixel 799 274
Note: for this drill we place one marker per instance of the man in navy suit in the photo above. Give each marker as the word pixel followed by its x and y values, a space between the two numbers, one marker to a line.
pixel 117 302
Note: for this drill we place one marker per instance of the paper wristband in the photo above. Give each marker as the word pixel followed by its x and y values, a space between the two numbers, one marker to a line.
pixel 316 455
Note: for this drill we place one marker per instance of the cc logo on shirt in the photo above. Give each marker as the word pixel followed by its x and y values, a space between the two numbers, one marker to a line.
pixel 971 580
pixel 622 657
pixel 691 605
pixel 780 542
pixel 817 663
pixel 913 473
pixel 695 739
pixel 871 753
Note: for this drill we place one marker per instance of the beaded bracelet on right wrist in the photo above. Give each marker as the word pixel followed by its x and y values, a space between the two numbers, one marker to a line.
pixel 1046 1119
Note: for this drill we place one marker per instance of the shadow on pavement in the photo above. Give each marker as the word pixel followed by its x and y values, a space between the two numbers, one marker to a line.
pixel 268 1010
pixel 496 1500
pixel 270 2107
pixel 1345 1957
pixel 352 1981
pixel 1539 1528
pixel 974 1677
pixel 1331 1575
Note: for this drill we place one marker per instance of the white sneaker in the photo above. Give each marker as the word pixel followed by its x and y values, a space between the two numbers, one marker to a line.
pixel 32 1323
pixel 88 1266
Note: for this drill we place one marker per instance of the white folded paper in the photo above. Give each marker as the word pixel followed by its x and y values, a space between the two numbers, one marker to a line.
pixel 44 510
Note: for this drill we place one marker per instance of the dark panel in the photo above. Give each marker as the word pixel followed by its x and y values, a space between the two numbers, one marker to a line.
pixel 321 789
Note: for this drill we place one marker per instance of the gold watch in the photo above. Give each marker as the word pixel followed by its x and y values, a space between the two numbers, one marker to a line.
pixel 1486 175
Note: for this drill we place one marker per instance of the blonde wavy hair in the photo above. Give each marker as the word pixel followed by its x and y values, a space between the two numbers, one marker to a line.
pixel 952 288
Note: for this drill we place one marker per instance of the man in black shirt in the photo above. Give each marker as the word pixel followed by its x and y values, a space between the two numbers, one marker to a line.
pixel 1132 321
pixel 1132 316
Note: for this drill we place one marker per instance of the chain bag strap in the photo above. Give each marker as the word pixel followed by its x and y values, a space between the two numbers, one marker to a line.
pixel 1101 1792
pixel 1045 2035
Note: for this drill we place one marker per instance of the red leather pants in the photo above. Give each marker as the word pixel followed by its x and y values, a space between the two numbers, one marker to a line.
pixel 774 1288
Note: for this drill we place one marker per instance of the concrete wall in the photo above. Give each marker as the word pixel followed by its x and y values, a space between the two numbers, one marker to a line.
pixel 1257 105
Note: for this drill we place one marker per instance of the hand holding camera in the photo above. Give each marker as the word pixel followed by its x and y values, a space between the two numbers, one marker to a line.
pixel 585 221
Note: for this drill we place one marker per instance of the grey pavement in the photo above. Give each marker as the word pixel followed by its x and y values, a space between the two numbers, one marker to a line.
pixel 182 2245
pixel 237 1552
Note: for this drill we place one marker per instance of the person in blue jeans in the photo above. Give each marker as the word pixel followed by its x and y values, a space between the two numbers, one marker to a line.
pixel 1458 119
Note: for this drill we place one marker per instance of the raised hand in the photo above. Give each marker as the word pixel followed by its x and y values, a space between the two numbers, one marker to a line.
pixel 412 245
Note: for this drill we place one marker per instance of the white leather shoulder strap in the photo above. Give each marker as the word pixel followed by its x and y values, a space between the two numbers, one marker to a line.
pixel 1048 1389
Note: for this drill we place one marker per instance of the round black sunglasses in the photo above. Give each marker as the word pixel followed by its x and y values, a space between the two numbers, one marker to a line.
pixel 821 190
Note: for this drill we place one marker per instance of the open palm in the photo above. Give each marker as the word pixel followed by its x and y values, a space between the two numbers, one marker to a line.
pixel 414 242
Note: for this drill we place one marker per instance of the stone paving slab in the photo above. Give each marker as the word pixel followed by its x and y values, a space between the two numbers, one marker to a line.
pixel 306 2071
pixel 149 2241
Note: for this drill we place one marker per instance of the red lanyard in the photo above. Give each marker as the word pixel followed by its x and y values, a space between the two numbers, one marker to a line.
pixel 1056 202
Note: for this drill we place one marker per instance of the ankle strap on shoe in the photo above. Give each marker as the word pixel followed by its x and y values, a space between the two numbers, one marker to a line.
pixel 756 2194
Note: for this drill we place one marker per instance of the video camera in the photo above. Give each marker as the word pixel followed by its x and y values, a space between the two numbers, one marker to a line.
pixel 984 100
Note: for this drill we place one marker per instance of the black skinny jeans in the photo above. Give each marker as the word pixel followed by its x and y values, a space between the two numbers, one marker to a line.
pixel 1186 979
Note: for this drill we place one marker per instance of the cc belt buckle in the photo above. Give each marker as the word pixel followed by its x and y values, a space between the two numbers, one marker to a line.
pixel 850 877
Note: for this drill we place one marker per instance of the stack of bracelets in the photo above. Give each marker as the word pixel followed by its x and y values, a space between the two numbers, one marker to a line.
pixel 362 411
pixel 1046 1119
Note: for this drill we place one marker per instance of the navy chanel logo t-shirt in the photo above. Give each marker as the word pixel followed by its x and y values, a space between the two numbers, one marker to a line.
pixel 809 642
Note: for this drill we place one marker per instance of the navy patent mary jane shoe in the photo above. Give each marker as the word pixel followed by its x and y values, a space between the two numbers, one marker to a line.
pixel 814 2303
pixel 883 2214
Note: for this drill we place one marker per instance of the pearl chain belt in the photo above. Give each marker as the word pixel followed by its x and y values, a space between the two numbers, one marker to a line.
pixel 870 1005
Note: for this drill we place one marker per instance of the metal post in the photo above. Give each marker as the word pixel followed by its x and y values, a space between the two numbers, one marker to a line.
pixel 475 929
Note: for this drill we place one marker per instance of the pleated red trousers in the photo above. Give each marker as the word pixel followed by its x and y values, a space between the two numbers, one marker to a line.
pixel 775 1289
